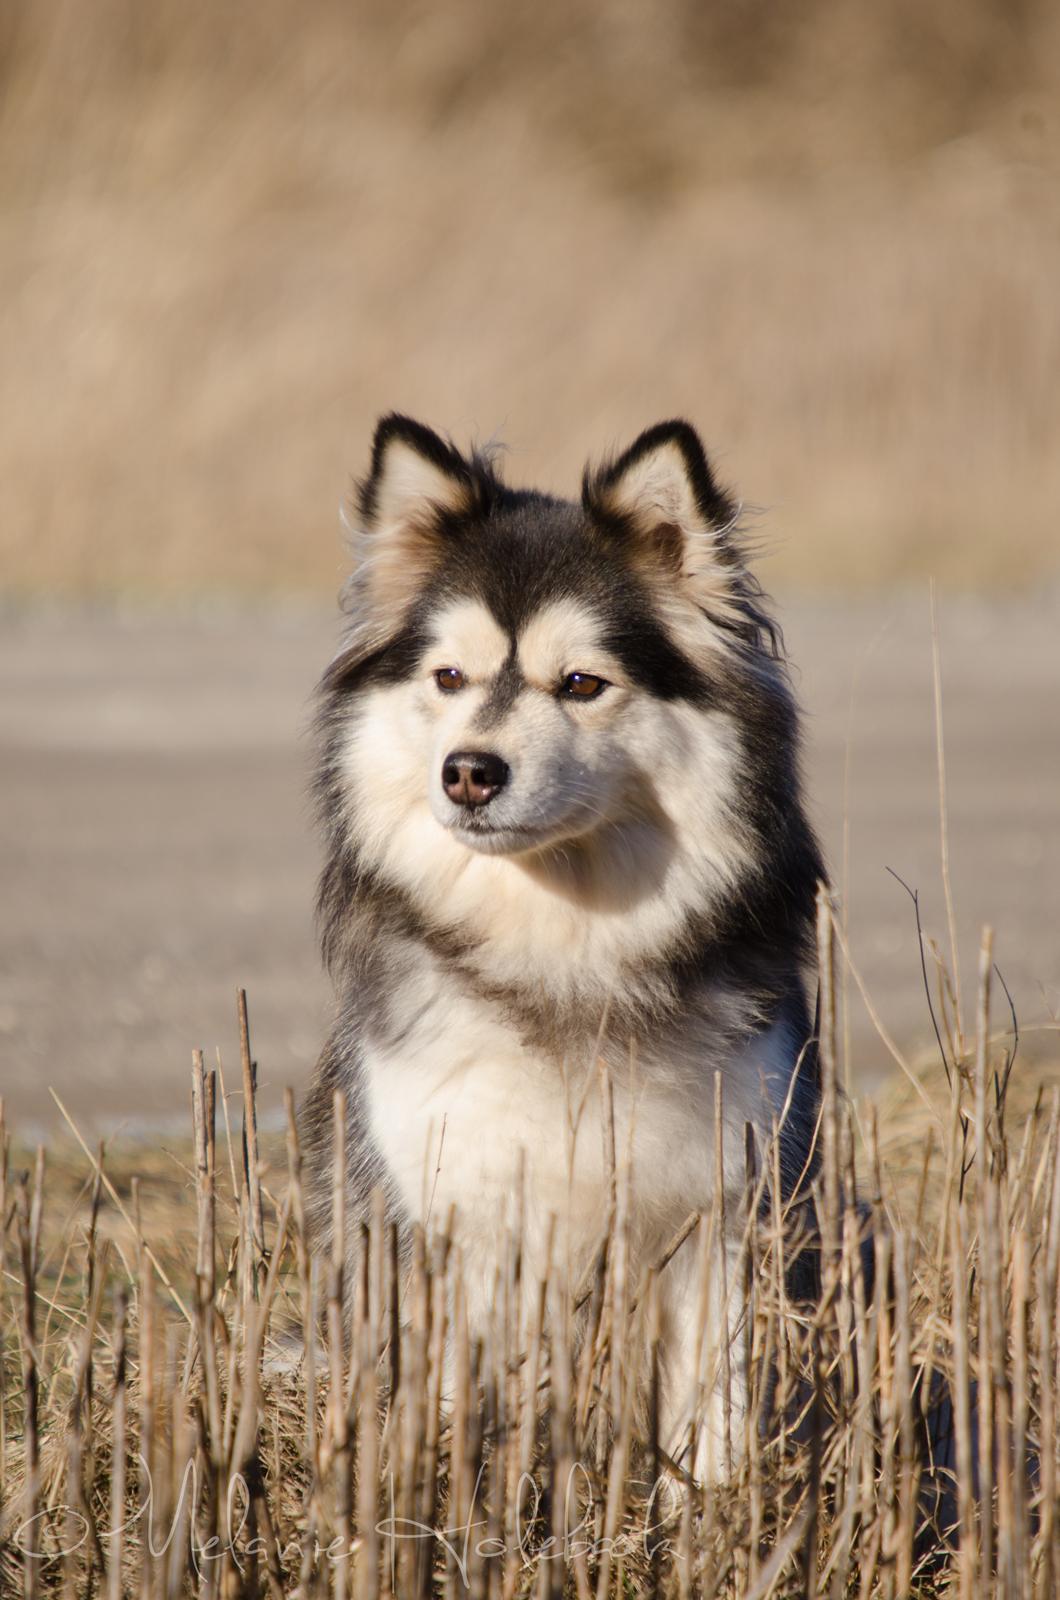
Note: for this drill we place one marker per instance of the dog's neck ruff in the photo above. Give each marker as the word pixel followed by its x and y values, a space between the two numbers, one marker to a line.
pixel 561 969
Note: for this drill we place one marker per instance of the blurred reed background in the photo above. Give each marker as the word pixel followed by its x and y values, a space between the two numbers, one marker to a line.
pixel 231 235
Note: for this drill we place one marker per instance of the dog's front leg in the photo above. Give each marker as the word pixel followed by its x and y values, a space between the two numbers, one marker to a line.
pixel 703 1398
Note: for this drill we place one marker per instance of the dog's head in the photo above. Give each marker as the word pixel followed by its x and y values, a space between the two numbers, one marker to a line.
pixel 527 672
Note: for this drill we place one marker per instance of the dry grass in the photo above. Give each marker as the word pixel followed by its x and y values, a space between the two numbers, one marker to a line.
pixel 231 235
pixel 155 1379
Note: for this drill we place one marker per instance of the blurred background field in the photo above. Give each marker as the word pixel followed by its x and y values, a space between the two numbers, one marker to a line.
pixel 231 235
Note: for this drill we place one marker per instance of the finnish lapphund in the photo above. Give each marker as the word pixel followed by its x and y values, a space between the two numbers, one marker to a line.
pixel 559 788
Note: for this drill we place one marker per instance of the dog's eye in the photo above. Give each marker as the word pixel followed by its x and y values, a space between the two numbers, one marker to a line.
pixel 449 679
pixel 582 686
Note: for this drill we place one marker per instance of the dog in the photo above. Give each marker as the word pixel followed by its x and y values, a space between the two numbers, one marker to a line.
pixel 560 795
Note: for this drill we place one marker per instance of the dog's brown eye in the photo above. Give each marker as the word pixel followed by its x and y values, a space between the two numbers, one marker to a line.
pixel 582 686
pixel 449 679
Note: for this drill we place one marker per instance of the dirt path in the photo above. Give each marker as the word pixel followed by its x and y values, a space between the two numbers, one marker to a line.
pixel 155 847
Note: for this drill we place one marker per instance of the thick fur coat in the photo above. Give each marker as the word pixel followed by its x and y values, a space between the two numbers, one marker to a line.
pixel 560 796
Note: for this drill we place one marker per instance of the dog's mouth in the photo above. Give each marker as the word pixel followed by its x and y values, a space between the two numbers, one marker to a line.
pixel 494 837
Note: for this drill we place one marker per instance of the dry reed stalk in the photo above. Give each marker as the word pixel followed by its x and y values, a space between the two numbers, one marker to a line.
pixel 723 1274
pixel 1047 1553
pixel 1047 1279
pixel 908 1463
pixel 563 1464
pixel 991 1354
pixel 458 1376
pixel 243 1467
pixel 408 1404
pixel 94 1265
pixel 119 1446
pixel 705 1374
pixel 857 1334
pixel 313 1501
pixel 967 1550
pixel 209 1528
pixel 616 1488
pixel 377 1296
pixel 757 1357
pixel 512 1378
pixel 237 1331
pixel 593 1295
pixel 181 1465
pixel 250 1143
pixel 888 1404
pixel 337 1416
pixel 303 1259
pixel 204 1113
pixel 147 1372
pixel 365 1550
pixel 1019 1455
pixel 619 1299
pixel 229 1141
pixel 82 1526
pixel 829 1117
pixel 863 1478
pixel 30 1378
pixel 944 832
pixel 811 1543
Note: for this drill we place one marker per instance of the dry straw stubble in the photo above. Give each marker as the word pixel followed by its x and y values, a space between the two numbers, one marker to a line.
pixel 167 1430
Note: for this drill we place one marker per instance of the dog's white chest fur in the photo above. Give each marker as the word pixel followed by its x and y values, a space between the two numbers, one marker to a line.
pixel 463 1114
pixel 460 1110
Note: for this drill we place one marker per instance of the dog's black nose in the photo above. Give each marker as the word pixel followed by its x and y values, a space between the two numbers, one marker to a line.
pixel 473 777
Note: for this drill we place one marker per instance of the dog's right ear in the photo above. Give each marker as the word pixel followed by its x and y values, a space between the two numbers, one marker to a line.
pixel 417 486
pixel 415 480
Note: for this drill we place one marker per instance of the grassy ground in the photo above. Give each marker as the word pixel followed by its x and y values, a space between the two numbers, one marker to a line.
pixel 830 235
pixel 155 1380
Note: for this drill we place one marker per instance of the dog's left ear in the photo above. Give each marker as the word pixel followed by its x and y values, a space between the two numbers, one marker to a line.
pixel 661 499
pixel 660 503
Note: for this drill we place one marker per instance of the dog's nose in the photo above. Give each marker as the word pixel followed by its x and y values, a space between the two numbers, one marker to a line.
pixel 473 777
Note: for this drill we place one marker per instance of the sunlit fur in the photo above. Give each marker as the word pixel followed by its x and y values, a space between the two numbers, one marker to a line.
pixel 632 909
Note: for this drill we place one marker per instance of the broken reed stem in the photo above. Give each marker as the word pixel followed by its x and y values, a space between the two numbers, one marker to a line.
pixel 204 1114
pixel 250 1142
